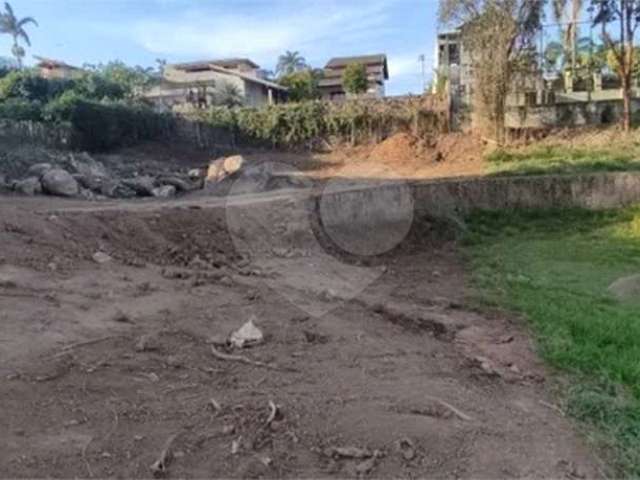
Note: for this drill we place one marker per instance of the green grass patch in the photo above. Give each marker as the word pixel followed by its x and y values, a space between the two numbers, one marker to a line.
pixel 547 160
pixel 555 267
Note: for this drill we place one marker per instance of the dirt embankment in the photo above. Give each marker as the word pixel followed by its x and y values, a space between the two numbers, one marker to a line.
pixel 108 359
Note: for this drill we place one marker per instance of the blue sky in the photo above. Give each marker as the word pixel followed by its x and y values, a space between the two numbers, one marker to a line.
pixel 139 31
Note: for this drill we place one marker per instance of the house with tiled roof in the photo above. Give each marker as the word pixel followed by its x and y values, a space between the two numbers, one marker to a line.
pixel 331 87
pixel 198 83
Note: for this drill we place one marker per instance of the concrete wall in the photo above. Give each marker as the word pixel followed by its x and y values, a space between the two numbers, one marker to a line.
pixel 593 191
pixel 568 114
pixel 387 203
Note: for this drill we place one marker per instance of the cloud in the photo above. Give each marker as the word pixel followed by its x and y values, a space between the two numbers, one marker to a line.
pixel 263 32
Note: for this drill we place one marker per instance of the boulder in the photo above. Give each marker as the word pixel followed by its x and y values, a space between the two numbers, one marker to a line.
pixel 39 169
pixel 142 185
pixel 28 186
pixel 90 182
pixel 164 191
pixel 114 189
pixel 59 182
pixel 224 167
pixel 86 165
pixel 181 184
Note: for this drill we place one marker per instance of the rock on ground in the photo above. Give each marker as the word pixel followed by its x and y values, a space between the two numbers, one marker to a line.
pixel 28 186
pixel 164 191
pixel 39 169
pixel 59 182
pixel 143 185
pixel 223 167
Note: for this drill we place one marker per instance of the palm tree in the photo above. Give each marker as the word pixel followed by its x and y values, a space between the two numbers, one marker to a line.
pixel 228 95
pixel 10 25
pixel 290 62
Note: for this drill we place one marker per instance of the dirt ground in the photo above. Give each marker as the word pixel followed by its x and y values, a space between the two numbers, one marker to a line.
pixel 400 156
pixel 370 367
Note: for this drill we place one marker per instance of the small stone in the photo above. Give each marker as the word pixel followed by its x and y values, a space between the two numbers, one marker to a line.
pixel 165 191
pixel 146 343
pixel 235 446
pixel 101 257
pixel 366 466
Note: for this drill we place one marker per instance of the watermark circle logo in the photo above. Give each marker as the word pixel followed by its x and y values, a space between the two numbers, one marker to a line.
pixel 273 214
pixel 366 217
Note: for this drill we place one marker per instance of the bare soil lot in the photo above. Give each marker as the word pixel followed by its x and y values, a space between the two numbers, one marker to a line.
pixel 369 366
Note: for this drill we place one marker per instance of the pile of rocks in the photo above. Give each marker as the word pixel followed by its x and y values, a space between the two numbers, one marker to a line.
pixel 84 177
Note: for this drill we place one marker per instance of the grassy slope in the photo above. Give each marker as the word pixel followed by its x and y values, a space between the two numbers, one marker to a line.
pixel 555 267
pixel 535 161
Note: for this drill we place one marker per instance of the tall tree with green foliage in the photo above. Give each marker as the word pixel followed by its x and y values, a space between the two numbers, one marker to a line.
pixel 290 62
pixel 626 14
pixel 497 34
pixel 354 79
pixel 11 25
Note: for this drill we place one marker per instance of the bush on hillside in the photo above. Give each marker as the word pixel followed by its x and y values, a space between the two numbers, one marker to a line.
pixel 105 125
pixel 18 109
pixel 28 85
pixel 299 124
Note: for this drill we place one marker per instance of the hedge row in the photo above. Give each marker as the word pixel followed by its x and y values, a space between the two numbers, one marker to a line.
pixel 98 126
pixel 300 124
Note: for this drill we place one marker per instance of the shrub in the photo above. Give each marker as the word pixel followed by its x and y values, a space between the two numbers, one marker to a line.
pixel 298 124
pixel 19 109
pixel 95 86
pixel 28 85
pixel 354 78
pixel 302 85
pixel 105 125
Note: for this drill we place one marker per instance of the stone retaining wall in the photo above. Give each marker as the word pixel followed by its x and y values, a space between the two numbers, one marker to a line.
pixel 592 191
pixel 386 203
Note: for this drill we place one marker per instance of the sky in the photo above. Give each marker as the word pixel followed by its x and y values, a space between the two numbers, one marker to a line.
pixel 140 31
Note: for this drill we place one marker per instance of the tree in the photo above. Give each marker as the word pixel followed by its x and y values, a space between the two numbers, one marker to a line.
pixel 302 85
pixel 290 62
pixel 497 34
pixel 119 79
pixel 228 95
pixel 626 13
pixel 10 25
pixel 354 78
pixel 552 55
pixel 568 11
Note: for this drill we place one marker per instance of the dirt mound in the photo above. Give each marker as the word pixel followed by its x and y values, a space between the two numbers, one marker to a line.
pixel 404 149
pixel 400 148
pixel 459 147
pixel 626 288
